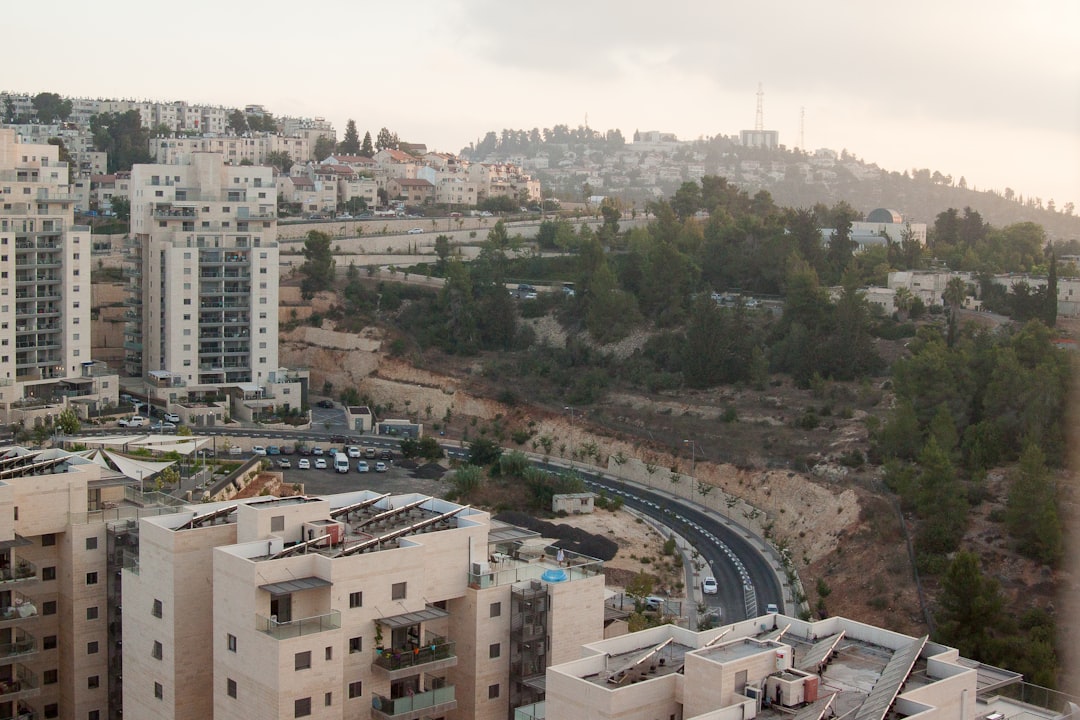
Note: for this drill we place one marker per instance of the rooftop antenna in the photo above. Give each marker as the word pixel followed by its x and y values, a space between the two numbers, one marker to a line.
pixel 759 120
pixel 802 127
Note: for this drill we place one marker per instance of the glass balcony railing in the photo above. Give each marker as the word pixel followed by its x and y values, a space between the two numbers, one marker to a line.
pixel 396 659
pixel 387 707
pixel 23 570
pixel 297 628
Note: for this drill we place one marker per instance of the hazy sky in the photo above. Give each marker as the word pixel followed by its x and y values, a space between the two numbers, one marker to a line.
pixel 981 88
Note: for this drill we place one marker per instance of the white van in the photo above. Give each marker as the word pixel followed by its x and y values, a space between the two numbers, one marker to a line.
pixel 341 462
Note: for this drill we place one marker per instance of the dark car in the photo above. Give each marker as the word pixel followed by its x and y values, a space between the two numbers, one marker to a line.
pixel 386 455
pixel 287 450
pixel 325 403
pixel 305 451
pixel 338 439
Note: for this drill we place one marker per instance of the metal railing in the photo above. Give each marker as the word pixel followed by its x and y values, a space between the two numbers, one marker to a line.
pixel 23 570
pixel 297 628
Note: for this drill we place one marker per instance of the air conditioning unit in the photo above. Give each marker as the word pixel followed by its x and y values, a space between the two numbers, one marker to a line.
pixel 480 568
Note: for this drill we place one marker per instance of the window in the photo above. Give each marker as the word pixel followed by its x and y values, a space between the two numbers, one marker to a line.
pixel 494 650
pixel 48 607
pixel 48 573
pixel 328 699
pixel 94 681
pixel 356 689
pixel 155 610
pixel 356 645
pixel 48 539
pixel 277 523
pixel 52 710
pixel 91 578
pixel 92 647
pixel 329 652
pixel 230 642
pixel 50 677
pixel 356 599
pixel 159 691
pixel 302 707
pixel 48 642
pixel 493 691
pixel 495 610
pixel 302 660
pixel 156 651
pixel 91 544
pixel 230 687
pixel 92 613
pixel 93 715
pixel 397 592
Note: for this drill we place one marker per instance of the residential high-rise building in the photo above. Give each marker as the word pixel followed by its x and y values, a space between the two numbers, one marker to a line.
pixel 359 605
pixel 204 274
pixel 44 289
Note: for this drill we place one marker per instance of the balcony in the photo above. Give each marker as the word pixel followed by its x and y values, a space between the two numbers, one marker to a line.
pixel 298 628
pixel 433 702
pixel 24 572
pixel 22 712
pixel 396 663
pixel 24 644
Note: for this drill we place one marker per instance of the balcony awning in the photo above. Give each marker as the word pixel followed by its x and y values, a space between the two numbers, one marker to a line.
pixel 406 619
pixel 291 586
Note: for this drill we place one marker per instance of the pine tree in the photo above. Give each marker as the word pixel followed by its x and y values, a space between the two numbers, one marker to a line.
pixel 351 144
pixel 1051 309
pixel 366 148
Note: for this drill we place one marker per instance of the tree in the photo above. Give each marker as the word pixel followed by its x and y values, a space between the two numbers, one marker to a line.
pixel 366 148
pixel 123 137
pixel 280 159
pixel 121 206
pixel 1051 309
pixel 902 300
pixel 955 292
pixel 318 267
pixel 324 148
pixel 386 140
pixel 1032 514
pixel 50 107
pixel 238 122
pixel 687 200
pixel 351 144
pixel 442 250
pixel 970 607
pixel 67 422
pixel 63 153
pixel 483 452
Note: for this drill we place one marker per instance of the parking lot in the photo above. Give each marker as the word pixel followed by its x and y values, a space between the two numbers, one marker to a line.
pixel 396 479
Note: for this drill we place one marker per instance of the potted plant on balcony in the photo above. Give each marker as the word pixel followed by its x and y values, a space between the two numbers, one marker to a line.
pixel 378 639
pixel 23 570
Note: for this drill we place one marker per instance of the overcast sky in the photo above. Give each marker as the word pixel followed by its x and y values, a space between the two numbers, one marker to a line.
pixel 981 88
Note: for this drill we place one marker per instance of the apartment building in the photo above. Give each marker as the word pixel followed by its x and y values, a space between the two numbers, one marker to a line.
pixel 776 667
pixel 359 605
pixel 63 538
pixel 44 289
pixel 254 148
pixel 203 270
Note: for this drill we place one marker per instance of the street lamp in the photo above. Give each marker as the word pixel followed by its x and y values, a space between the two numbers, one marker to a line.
pixel 693 456
pixel 571 434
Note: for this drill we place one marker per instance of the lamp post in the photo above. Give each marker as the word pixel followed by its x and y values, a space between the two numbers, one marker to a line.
pixel 693 456
pixel 571 410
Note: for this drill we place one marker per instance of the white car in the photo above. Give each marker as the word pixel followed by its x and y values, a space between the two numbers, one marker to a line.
pixel 416 231
pixel 236 450
pixel 709 586
pixel 316 450
pixel 303 464
pixel 771 608
pixel 133 421
pixel 284 463
pixel 258 450
pixel 354 452
pixel 172 417
pixel 362 466
pixel 380 467
pixel 320 463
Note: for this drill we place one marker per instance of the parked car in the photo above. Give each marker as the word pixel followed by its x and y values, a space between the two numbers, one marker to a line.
pixel 416 231
pixel 133 421
pixel 303 464
pixel 771 608
pixel 172 417
pixel 380 466
pixel 316 450
pixel 273 450
pixel 284 463
pixel 236 450
pixel 320 463
pixel 369 452
pixel 353 451
pixel 287 450
pixel 653 603
pixel 386 455
pixel 362 466
pixel 304 450
pixel 258 450
pixel 709 586
pixel 162 427
pixel 325 403
pixel 341 463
